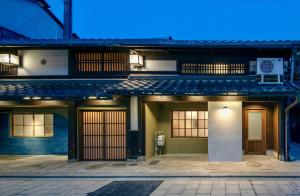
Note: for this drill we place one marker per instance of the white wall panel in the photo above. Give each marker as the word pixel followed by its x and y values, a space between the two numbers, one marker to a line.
pixel 225 131
pixel 158 65
pixel 57 62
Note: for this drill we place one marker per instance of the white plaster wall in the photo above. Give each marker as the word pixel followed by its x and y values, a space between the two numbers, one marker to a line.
pixel 28 18
pixel 57 62
pixel 157 65
pixel 225 131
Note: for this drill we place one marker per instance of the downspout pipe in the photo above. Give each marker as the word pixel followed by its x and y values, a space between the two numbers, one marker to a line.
pixel 287 128
pixel 289 107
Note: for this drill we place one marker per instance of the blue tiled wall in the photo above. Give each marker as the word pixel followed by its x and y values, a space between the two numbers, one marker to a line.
pixel 58 144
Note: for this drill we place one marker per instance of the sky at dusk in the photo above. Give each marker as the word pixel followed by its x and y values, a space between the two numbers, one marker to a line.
pixel 188 19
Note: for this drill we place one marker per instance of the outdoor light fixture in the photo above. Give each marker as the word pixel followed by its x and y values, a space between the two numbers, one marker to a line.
pixel 36 98
pixel 136 60
pixel 92 97
pixel 26 98
pixel 9 59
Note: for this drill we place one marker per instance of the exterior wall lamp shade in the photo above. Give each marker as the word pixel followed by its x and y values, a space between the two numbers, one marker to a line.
pixel 9 59
pixel 136 60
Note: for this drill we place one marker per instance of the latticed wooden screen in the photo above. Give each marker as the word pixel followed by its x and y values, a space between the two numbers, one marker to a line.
pixel 8 70
pixel 213 69
pixel 103 135
pixel 101 61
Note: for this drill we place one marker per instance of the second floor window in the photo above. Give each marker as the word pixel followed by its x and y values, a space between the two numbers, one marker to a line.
pixel 213 69
pixel 101 62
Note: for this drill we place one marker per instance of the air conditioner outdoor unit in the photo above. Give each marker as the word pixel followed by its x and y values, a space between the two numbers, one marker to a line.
pixel 269 67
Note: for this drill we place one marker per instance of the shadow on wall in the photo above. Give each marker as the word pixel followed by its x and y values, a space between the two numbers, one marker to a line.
pixel 58 144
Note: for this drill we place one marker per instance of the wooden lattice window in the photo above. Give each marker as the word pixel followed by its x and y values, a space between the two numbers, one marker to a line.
pixel 213 69
pixel 32 125
pixel 8 70
pixel 189 124
pixel 101 61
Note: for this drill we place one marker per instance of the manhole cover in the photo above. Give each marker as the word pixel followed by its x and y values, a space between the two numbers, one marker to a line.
pixel 154 162
pixel 127 188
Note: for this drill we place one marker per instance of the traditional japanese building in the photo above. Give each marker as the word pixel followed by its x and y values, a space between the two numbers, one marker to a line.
pixel 110 99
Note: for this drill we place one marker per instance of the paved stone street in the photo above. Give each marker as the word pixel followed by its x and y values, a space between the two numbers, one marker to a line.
pixel 181 175
pixel 217 187
pixel 171 165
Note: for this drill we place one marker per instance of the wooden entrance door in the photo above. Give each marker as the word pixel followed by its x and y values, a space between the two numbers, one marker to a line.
pixel 103 135
pixel 255 131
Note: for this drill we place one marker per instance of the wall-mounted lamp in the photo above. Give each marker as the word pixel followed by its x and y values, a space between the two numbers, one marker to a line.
pixel 92 97
pixel 136 60
pixel 9 59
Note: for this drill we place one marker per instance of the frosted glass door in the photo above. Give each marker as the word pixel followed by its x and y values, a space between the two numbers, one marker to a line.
pixel 255 126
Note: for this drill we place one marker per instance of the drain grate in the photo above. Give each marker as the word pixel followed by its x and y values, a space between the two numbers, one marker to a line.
pixel 154 162
pixel 119 164
pixel 127 188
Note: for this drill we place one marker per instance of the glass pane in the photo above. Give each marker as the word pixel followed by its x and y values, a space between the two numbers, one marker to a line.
pixel 28 119
pixel 200 115
pixel 175 132
pixel 18 119
pixel 194 133
pixel 18 131
pixel 201 133
pixel 254 125
pixel 206 132
pixel 206 115
pixel 175 115
pixel 201 124
pixel 39 119
pixel 175 124
pixel 188 132
pixel 181 115
pixel 49 130
pixel 181 132
pixel 188 115
pixel 194 115
pixel 28 131
pixel 194 124
pixel 39 131
pixel 188 124
pixel 181 123
pixel 206 123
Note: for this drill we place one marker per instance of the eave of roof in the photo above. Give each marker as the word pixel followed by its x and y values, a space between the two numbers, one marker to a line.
pixel 80 89
pixel 168 43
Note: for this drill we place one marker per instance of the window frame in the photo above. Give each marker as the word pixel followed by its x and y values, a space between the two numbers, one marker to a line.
pixel 203 137
pixel 12 125
pixel 232 68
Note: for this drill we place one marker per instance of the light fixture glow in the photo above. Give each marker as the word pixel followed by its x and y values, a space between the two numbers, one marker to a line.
pixel 26 98
pixel 92 97
pixel 136 60
pixel 36 98
pixel 9 59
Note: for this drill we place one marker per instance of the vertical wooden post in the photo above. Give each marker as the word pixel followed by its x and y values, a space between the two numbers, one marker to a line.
pixel 72 130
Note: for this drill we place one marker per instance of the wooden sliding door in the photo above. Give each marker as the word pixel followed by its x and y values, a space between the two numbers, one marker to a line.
pixel 103 135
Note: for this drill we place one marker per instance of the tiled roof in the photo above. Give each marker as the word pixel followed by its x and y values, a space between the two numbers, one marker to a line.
pixel 78 89
pixel 153 43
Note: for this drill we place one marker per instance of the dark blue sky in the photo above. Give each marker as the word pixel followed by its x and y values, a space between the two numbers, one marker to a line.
pixel 185 19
